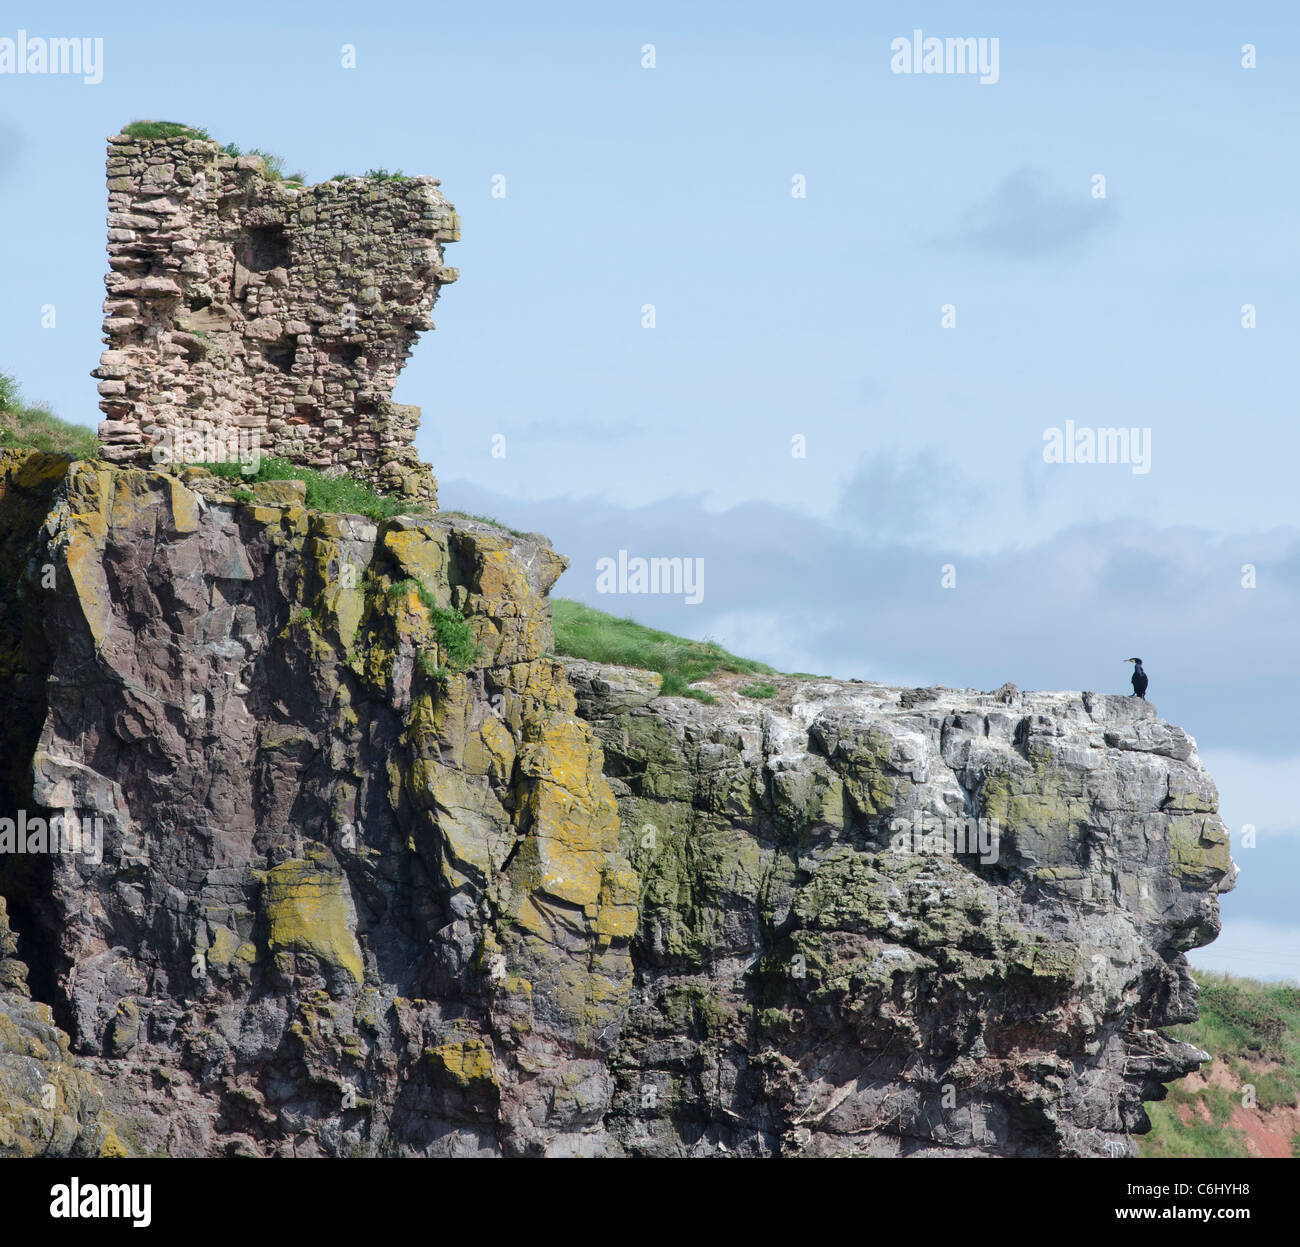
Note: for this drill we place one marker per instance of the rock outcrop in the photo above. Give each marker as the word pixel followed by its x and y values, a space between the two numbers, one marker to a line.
pixel 334 892
pixel 49 1105
pixel 345 899
pixel 247 314
pixel 818 973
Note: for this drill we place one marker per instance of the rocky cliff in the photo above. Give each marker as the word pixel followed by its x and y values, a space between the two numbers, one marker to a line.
pixel 819 973
pixel 320 887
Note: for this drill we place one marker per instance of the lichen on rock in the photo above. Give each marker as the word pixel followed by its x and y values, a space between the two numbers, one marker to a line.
pixel 362 896
pixel 852 993
pixel 329 856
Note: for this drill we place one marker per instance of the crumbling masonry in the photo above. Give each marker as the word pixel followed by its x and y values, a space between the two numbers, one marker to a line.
pixel 245 311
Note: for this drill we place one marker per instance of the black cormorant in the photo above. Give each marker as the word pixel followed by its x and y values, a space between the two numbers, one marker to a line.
pixel 1139 678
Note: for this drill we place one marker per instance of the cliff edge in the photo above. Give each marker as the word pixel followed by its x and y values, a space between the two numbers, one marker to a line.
pixel 349 863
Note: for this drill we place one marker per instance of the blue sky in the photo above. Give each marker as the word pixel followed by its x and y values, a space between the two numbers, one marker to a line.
pixel 819 317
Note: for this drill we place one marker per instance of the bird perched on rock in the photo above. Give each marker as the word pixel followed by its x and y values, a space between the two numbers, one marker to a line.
pixel 1140 680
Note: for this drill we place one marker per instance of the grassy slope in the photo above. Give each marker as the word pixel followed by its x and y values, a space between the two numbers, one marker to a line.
pixel 581 632
pixel 1254 1030
pixel 36 427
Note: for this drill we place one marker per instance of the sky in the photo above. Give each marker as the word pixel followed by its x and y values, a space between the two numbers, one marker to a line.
pixel 733 289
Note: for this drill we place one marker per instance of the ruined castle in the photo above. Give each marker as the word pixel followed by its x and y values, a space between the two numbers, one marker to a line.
pixel 346 896
pixel 246 310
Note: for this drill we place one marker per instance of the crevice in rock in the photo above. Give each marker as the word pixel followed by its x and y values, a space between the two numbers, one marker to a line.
pixel 25 880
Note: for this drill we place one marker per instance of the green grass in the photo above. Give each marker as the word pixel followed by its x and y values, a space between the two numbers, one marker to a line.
pixel 375 175
pixel 164 130
pixel 758 690
pixel 274 167
pixel 1253 1027
pixel 273 164
pixel 1173 1138
pixel 1243 1018
pixel 176 130
pixel 456 644
pixel 35 427
pixel 324 493
pixel 582 632
pixel 455 638
pixel 482 519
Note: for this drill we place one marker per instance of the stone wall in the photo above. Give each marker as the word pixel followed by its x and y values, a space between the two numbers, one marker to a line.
pixel 246 310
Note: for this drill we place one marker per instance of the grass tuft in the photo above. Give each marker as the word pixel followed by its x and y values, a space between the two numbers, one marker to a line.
pixel 324 493
pixel 457 648
pixel 164 130
pixel 582 632
pixel 273 167
pixel 375 175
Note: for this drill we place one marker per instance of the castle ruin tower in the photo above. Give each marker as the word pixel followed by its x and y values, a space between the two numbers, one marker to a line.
pixel 245 309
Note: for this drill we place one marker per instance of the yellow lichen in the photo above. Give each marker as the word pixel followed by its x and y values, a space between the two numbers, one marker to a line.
pixel 465 1063
pixel 307 911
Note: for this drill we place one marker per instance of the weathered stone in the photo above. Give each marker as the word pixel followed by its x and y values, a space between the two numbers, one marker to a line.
pixel 353 900
pixel 297 314
pixel 834 995
pixel 49 1106
pixel 314 840
pixel 280 493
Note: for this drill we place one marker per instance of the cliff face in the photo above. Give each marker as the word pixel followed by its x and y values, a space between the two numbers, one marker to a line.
pixel 351 900
pixel 818 973
pixel 49 1106
pixel 346 901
